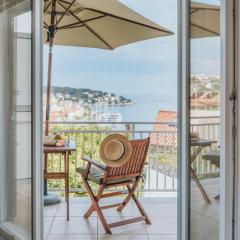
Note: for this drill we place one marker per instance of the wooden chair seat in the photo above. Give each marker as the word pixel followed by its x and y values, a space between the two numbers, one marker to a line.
pixel 127 175
pixel 96 175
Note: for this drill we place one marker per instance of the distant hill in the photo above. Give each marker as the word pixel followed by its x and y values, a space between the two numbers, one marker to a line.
pixel 88 95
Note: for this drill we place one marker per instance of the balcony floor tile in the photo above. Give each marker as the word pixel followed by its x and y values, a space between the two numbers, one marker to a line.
pixel 76 225
pixel 162 225
pixel 163 216
pixel 50 211
pixel 162 237
pixel 48 221
pixel 75 210
pixel 130 229
pixel 121 237
pixel 207 227
pixel 72 237
pixel 205 209
pixel 161 210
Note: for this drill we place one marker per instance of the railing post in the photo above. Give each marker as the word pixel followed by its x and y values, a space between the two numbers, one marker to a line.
pixel 130 127
pixel 133 129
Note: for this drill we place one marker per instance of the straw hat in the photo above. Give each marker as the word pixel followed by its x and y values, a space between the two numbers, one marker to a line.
pixel 115 150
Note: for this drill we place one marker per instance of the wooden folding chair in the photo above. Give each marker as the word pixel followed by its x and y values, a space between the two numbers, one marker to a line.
pixel 127 175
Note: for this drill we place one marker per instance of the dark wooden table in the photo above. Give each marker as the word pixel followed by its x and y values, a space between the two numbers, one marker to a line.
pixel 66 150
pixel 199 146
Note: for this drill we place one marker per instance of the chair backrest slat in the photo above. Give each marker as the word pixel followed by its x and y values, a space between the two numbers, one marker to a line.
pixel 136 162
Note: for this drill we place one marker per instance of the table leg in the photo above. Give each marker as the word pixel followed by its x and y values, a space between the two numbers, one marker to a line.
pixel 196 153
pixel 66 175
pixel 45 171
pixel 66 156
pixel 199 185
pixel 50 198
pixel 194 176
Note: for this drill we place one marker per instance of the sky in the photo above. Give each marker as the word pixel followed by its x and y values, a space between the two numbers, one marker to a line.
pixel 144 68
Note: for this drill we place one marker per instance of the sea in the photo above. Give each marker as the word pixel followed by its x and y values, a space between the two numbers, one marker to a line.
pixel 144 108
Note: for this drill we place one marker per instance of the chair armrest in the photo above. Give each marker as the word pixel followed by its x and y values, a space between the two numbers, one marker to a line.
pixel 95 163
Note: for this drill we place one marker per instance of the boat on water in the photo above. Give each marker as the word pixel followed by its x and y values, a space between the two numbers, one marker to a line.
pixel 101 113
pixel 112 117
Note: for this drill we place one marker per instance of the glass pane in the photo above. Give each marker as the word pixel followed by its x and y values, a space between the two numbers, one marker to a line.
pixel 22 51
pixel 15 24
pixel 131 90
pixel 205 119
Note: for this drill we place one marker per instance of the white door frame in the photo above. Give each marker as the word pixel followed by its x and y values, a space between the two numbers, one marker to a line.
pixel 7 229
pixel 226 142
pixel 227 77
pixel 37 118
pixel 237 74
pixel 183 120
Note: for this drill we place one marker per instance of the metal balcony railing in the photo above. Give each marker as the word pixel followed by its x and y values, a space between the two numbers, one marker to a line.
pixel 161 172
pixel 207 127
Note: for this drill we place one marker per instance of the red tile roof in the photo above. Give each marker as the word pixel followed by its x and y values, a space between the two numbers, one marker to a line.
pixel 165 133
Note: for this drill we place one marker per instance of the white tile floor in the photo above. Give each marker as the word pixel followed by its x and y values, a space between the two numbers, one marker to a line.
pixel 163 216
pixel 162 212
pixel 204 216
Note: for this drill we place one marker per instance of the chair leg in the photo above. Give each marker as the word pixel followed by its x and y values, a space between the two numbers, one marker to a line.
pixel 139 206
pixel 96 206
pixel 127 199
pixel 141 209
pixel 91 209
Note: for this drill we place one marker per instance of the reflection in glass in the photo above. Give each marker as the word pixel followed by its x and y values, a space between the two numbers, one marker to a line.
pixel 205 119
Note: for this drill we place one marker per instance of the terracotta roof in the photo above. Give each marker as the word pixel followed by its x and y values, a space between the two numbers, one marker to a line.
pixel 166 129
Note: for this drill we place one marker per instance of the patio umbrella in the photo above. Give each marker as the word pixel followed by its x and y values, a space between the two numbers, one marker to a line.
pixel 205 20
pixel 97 24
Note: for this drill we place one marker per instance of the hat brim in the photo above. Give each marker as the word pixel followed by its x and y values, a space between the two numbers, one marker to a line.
pixel 127 150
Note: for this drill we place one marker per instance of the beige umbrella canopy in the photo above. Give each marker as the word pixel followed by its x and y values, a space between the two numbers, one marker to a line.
pixel 93 23
pixel 205 20
pixel 98 24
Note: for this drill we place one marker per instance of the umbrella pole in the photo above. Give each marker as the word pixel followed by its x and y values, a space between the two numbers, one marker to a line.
pixel 49 198
pixel 51 33
pixel 49 83
pixel 48 103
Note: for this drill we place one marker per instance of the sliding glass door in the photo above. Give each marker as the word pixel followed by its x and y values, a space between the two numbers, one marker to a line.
pixel 22 122
pixel 205 119
pixel 16 125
